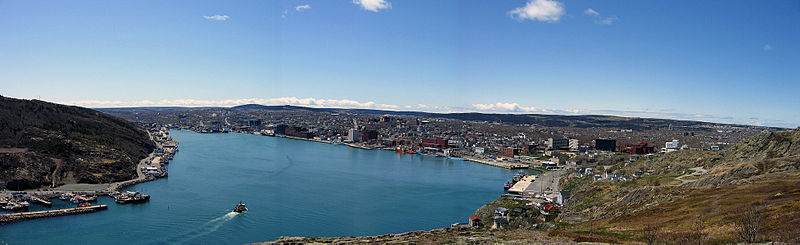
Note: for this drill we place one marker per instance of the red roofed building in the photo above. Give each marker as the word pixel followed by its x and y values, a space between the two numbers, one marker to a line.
pixel 434 142
pixel 475 221
pixel 638 148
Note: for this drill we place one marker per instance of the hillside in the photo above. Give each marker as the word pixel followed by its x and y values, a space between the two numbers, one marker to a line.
pixel 700 195
pixel 44 144
pixel 450 236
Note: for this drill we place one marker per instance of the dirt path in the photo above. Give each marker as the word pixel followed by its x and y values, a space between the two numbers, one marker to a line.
pixel 697 172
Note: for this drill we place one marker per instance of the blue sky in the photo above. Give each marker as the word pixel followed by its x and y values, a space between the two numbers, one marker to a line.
pixel 722 61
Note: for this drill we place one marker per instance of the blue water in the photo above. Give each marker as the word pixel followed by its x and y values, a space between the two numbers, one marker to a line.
pixel 292 188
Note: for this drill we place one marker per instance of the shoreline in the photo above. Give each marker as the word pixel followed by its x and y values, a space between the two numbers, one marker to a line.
pixel 505 165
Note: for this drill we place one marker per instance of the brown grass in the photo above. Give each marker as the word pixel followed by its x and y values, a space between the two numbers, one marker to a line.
pixel 716 209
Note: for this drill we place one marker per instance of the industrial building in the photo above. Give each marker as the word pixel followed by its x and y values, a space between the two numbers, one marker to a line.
pixel 605 144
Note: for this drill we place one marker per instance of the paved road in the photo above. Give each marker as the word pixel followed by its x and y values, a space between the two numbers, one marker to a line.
pixel 546 183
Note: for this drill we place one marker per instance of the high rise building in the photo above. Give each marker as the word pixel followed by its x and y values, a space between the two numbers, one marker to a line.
pixel 558 143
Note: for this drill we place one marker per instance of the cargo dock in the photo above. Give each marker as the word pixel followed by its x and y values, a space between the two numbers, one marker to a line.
pixel 16 217
pixel 505 165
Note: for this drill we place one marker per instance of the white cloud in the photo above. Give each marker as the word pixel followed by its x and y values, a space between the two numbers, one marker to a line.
pixel 541 10
pixel 608 20
pixel 217 17
pixel 302 7
pixel 504 107
pixel 285 13
pixel 767 47
pixel 373 5
pixel 591 12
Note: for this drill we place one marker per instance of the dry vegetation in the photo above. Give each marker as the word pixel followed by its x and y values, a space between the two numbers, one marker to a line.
pixel 750 194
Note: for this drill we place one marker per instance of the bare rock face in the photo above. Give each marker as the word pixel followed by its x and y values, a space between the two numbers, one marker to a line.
pixel 44 144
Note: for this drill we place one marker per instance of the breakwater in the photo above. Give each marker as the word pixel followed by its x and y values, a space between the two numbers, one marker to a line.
pixel 16 217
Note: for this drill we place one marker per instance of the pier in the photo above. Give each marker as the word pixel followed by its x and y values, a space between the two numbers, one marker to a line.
pixel 16 217
pixel 498 164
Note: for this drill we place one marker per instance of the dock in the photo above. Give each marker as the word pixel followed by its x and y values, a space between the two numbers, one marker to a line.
pixel 41 201
pixel 521 186
pixel 498 164
pixel 16 217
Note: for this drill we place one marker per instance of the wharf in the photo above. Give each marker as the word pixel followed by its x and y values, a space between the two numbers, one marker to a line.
pixel 359 146
pixel 522 185
pixel 16 217
pixel 301 138
pixel 498 164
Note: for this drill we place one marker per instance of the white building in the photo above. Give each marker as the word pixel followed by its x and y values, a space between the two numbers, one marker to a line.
pixel 557 143
pixel 574 144
pixel 671 146
pixel 353 135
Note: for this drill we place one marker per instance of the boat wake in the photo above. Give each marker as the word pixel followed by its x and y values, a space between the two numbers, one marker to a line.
pixel 209 227
pixel 223 218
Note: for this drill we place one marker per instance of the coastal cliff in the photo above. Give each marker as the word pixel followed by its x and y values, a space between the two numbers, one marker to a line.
pixel 47 144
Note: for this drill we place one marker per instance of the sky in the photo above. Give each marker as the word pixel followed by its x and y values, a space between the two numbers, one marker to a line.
pixel 721 61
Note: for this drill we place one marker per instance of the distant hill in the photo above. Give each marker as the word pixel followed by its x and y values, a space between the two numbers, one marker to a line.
pixel 43 143
pixel 577 121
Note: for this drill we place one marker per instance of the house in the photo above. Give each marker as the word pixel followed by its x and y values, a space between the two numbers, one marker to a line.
pixel 501 212
pixel 500 222
pixel 475 221
pixel 516 212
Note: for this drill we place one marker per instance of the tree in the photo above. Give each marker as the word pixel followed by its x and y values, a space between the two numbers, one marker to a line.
pixel 749 223
pixel 650 233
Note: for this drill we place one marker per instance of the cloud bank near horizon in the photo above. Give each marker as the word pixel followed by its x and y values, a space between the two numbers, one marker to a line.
pixel 499 107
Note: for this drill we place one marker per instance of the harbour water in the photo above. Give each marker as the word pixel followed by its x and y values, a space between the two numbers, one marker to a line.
pixel 291 187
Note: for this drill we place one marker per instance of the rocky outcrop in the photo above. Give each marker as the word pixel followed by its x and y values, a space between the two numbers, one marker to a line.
pixel 766 154
pixel 66 144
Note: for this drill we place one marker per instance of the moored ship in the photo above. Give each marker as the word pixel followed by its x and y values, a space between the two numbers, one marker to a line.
pixel 130 197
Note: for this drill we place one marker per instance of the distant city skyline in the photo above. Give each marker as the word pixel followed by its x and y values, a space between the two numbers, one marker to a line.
pixel 727 61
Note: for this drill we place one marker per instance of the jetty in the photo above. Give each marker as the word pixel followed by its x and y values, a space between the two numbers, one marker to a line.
pixel 16 217
pixel 41 201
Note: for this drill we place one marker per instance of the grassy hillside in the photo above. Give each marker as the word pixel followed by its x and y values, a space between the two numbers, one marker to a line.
pixel 704 196
pixel 42 144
